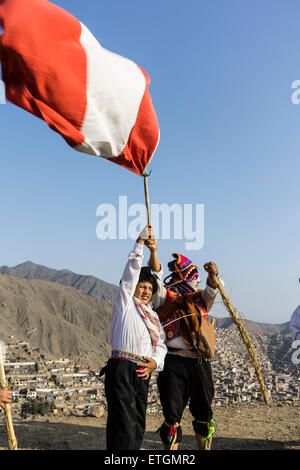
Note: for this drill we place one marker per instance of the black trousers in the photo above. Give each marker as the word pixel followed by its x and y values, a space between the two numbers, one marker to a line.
pixel 182 380
pixel 126 396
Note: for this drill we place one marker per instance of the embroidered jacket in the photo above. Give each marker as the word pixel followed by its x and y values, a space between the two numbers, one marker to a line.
pixel 128 332
pixel 180 333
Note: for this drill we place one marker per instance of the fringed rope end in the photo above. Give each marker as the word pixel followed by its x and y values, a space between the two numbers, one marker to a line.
pixel 171 438
pixel 210 431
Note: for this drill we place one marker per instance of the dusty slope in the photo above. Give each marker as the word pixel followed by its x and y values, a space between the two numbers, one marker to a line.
pixel 243 427
pixel 60 320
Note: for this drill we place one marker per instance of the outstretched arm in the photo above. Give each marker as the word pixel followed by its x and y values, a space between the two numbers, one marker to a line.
pixel 5 397
pixel 154 262
pixel 210 292
pixel 159 297
pixel 132 271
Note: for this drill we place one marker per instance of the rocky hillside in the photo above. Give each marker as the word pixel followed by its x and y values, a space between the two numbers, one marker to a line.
pixel 59 320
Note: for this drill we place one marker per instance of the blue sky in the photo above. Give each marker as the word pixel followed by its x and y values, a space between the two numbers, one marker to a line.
pixel 230 139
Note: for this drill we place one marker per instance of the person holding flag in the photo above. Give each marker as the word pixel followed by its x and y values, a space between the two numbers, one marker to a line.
pixel 186 375
pixel 99 103
pixel 138 348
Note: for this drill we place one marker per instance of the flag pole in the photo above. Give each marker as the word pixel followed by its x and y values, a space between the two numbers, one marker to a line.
pixel 146 190
pixel 12 441
pixel 244 335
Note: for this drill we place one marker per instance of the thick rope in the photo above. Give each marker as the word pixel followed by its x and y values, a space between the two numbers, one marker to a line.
pixel 244 335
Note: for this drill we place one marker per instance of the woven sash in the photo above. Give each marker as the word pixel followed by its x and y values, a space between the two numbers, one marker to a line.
pixel 116 354
pixel 151 322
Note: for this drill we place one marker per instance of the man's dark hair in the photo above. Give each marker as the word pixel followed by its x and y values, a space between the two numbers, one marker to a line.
pixel 147 276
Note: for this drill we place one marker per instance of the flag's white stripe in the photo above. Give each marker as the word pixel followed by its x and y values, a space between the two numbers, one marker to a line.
pixel 115 88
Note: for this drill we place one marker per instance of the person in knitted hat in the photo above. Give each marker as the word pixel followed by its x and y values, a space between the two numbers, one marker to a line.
pixel 186 376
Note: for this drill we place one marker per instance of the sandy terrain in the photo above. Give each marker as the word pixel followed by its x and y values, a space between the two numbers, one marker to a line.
pixel 241 427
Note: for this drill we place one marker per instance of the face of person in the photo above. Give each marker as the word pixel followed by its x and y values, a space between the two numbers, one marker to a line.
pixel 194 282
pixel 143 292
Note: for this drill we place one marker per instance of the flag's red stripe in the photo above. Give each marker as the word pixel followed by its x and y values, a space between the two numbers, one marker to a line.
pixel 143 138
pixel 33 51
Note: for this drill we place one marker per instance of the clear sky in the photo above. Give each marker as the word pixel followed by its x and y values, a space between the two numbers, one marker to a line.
pixel 230 139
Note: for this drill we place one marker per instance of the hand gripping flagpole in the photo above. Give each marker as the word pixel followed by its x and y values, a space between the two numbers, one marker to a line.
pixel 12 441
pixel 243 333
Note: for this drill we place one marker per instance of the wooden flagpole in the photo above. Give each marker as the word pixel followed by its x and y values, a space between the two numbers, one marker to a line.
pixel 12 441
pixel 146 190
pixel 244 335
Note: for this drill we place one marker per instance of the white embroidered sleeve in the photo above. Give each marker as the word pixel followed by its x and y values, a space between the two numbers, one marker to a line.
pixel 209 295
pixel 159 297
pixel 130 277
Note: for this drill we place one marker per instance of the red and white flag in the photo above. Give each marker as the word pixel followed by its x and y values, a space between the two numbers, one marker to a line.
pixel 53 67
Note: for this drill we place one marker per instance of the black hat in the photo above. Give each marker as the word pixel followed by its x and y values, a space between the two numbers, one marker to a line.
pixel 147 276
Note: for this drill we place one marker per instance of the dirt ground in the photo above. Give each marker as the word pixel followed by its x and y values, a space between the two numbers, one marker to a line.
pixel 240 427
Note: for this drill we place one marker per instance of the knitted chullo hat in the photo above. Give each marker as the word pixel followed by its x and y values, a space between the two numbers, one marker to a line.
pixel 182 269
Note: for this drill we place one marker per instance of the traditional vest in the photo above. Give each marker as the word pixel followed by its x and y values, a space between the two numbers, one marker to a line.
pixel 182 316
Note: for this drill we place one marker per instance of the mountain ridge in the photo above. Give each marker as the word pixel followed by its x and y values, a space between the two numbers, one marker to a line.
pixel 89 284
pixel 71 313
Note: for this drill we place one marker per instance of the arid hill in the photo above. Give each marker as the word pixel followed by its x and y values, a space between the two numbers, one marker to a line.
pixel 59 320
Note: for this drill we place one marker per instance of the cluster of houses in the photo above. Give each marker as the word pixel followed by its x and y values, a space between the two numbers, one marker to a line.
pixel 234 374
pixel 75 389
pixel 72 388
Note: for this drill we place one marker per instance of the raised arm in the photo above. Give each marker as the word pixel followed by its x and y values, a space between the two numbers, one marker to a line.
pixel 159 297
pixel 154 262
pixel 131 272
pixel 210 292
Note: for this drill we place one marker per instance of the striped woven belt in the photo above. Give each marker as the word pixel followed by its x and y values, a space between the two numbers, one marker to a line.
pixel 127 356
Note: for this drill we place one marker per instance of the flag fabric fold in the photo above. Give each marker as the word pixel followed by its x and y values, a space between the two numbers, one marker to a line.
pixel 54 68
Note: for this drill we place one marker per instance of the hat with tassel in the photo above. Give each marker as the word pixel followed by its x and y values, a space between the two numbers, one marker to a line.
pixel 182 269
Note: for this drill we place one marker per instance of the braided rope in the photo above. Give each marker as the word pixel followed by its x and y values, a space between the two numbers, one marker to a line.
pixel 244 335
